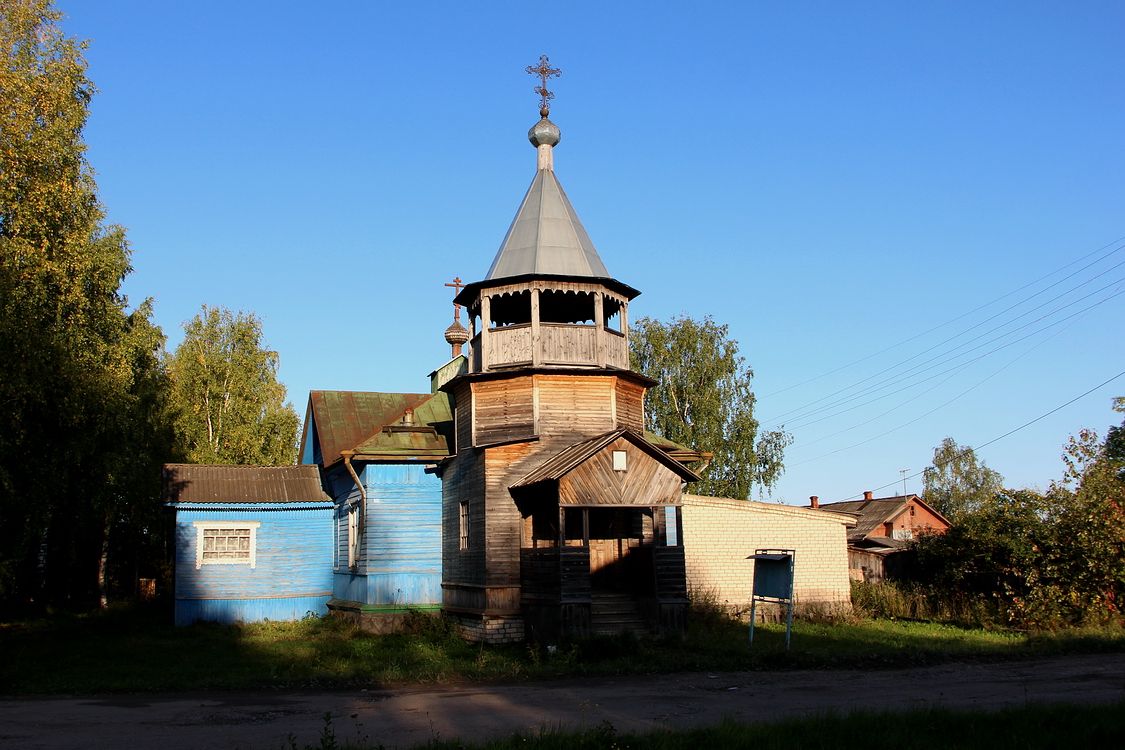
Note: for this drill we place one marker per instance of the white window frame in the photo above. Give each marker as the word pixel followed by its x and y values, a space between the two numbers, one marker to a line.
pixel 202 526
pixel 353 535
pixel 463 524
pixel 620 461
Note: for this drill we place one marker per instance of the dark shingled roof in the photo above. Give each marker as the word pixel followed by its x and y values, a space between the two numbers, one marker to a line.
pixel 204 483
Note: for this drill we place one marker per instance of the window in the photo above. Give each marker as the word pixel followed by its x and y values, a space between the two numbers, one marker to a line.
pixel 671 528
pixel 226 543
pixel 353 535
pixel 463 525
pixel 620 461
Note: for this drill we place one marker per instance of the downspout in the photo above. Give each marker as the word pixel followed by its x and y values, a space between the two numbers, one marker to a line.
pixel 347 456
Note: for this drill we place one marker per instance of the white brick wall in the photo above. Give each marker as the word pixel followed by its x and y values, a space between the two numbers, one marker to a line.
pixel 490 629
pixel 719 533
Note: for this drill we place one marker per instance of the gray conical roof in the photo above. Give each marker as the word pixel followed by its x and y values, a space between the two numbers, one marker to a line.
pixel 546 237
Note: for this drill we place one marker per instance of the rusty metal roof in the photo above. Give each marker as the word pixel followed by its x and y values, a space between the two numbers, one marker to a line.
pixel 355 421
pixel 206 483
pixel 871 514
pixel 569 458
pixel 428 438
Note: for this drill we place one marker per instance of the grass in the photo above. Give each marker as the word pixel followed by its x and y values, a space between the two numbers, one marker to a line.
pixel 1029 727
pixel 131 650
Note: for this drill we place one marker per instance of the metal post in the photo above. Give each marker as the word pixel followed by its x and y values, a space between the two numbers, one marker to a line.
pixel 753 612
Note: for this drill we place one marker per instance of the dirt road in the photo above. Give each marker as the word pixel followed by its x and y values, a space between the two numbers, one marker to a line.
pixel 403 717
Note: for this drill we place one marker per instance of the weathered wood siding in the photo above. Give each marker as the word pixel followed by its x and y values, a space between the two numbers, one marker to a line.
pixel 630 405
pixel 565 344
pixel 463 479
pixel 510 345
pixel 503 410
pixel 462 416
pixel 292 574
pixel 556 591
pixel 646 481
pixel 616 349
pixel 503 465
pixel 505 428
pixel 573 407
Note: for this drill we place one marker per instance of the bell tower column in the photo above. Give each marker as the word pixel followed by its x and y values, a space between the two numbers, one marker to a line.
pixel 536 335
pixel 485 324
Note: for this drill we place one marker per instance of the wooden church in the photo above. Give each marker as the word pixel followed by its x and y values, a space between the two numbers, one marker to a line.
pixel 559 515
pixel 522 495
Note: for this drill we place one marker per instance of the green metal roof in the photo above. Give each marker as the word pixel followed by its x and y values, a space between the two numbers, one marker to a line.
pixel 355 421
pixel 676 450
pixel 427 438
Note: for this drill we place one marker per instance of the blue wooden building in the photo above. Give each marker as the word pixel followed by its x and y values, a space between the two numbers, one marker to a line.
pixel 377 453
pixel 251 542
pixel 355 528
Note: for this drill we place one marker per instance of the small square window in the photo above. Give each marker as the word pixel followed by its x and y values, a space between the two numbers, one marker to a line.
pixel 620 461
pixel 226 543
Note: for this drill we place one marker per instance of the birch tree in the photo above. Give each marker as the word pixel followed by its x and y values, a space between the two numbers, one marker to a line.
pixel 230 407
pixel 958 482
pixel 703 399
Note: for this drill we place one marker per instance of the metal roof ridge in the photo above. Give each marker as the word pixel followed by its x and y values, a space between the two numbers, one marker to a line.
pixel 578 229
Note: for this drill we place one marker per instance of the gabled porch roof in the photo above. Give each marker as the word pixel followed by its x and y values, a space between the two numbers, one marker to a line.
pixel 570 458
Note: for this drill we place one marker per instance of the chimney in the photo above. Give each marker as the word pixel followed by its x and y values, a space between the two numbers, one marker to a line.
pixel 814 501
pixel 408 418
pixel 867 495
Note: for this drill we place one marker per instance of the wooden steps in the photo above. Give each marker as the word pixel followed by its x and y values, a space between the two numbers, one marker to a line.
pixel 613 613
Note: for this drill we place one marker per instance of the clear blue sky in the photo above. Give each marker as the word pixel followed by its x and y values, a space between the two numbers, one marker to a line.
pixel 827 178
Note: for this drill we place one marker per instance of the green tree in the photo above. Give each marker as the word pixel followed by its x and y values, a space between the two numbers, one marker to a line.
pixel 1089 521
pixel 703 399
pixel 958 482
pixel 230 406
pixel 72 358
pixel 1115 438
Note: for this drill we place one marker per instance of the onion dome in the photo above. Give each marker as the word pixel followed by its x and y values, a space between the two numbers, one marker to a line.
pixel 456 334
pixel 544 133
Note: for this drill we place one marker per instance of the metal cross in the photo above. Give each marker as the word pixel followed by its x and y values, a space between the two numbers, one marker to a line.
pixel 457 286
pixel 544 71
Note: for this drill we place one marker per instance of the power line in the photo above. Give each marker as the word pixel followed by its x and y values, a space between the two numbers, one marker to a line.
pixel 971 388
pixel 920 368
pixel 924 415
pixel 966 314
pixel 810 405
pixel 1006 434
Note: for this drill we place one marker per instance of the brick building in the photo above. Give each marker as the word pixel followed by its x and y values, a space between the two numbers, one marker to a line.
pixel 884 526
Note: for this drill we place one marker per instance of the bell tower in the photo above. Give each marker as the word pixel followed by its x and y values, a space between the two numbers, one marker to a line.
pixel 547 300
pixel 548 392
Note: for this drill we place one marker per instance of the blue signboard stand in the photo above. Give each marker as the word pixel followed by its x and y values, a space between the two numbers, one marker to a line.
pixel 773 582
